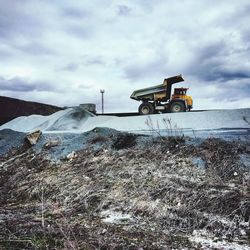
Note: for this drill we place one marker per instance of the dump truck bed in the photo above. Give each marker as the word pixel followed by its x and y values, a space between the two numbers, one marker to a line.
pixel 165 87
pixel 147 92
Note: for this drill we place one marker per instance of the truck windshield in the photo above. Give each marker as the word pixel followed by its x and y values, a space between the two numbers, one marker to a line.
pixel 180 92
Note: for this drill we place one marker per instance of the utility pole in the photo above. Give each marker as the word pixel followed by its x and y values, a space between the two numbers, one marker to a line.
pixel 102 92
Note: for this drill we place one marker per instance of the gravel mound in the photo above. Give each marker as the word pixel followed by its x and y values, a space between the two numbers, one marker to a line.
pixel 78 120
pixel 125 191
pixel 10 140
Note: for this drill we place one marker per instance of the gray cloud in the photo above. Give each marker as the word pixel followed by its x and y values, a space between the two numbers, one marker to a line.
pixel 141 69
pixel 34 48
pixel 17 84
pixel 123 10
pixel 87 61
pixel 245 35
pixel 72 67
pixel 212 63
pixel 150 39
pixel 94 61
pixel 79 30
pixel 232 92
pixel 225 75
pixel 75 13
pixel 17 19
pixel 5 54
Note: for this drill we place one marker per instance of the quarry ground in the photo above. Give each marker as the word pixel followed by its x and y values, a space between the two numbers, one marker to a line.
pixel 123 191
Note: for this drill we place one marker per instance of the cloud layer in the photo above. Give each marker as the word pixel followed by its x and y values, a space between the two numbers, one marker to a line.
pixel 64 52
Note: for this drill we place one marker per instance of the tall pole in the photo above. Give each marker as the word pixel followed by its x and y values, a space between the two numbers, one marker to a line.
pixel 102 92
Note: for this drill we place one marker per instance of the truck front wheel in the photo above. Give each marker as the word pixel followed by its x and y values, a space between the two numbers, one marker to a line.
pixel 177 107
pixel 146 108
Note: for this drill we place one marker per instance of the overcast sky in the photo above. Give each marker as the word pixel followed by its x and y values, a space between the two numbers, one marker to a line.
pixel 63 52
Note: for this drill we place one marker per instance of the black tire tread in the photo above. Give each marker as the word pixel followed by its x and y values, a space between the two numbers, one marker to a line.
pixel 149 105
pixel 183 106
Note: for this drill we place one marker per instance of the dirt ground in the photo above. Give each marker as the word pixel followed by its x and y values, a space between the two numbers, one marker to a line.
pixel 124 191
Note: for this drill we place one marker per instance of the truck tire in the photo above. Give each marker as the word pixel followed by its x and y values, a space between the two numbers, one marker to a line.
pixel 146 108
pixel 176 107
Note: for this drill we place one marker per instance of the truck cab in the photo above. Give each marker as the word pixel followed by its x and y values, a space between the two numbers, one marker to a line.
pixel 181 93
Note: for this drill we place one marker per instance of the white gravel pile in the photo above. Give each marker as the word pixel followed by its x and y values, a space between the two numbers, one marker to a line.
pixel 77 120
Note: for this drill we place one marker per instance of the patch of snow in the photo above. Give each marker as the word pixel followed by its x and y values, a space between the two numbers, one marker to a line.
pixel 198 237
pixel 109 216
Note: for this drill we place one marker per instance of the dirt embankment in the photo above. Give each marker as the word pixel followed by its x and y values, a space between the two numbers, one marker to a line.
pixel 12 108
pixel 122 191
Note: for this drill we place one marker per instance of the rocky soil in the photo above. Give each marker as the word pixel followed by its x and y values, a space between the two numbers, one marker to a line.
pixel 123 191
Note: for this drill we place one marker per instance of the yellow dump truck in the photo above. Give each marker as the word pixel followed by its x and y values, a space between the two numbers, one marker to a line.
pixel 159 99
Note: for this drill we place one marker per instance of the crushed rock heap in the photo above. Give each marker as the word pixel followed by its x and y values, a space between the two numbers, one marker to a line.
pixel 124 191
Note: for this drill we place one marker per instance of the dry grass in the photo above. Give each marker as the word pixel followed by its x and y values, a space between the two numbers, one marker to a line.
pixel 154 184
